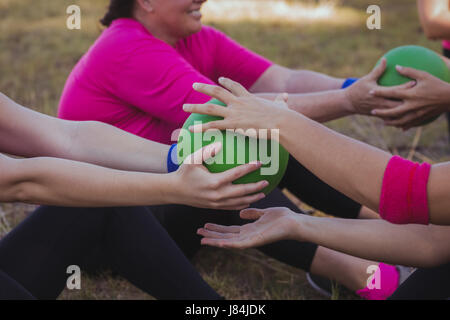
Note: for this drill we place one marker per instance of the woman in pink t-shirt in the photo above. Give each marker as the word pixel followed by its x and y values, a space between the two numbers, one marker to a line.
pixel 139 73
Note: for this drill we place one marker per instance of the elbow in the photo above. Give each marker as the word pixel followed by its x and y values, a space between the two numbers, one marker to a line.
pixel 22 192
pixel 16 192
pixel 289 82
pixel 25 191
pixel 282 80
pixel 433 30
pixel 15 184
pixel 432 35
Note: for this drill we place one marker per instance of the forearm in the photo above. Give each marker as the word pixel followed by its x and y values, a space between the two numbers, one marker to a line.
pixel 305 81
pixel 104 145
pixel 320 107
pixel 278 79
pixel 27 133
pixel 352 167
pixel 61 182
pixel 377 240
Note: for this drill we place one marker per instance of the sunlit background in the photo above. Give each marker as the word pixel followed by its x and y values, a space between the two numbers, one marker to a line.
pixel 273 11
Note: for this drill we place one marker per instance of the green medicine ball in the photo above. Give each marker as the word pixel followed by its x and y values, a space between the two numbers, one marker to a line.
pixel 416 57
pixel 237 149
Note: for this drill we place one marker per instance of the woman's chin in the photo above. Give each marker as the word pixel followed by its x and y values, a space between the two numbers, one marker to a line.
pixel 194 27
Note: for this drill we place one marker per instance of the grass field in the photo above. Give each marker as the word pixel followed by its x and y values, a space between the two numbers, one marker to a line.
pixel 37 52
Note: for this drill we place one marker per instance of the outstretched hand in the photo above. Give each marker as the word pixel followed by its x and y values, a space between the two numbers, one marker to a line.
pixel 244 110
pixel 271 225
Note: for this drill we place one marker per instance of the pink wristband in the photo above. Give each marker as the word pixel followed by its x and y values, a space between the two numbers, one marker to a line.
pixel 404 192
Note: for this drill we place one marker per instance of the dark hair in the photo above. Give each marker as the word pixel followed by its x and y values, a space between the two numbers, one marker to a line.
pixel 118 9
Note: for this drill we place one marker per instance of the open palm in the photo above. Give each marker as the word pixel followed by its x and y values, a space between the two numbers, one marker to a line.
pixel 271 225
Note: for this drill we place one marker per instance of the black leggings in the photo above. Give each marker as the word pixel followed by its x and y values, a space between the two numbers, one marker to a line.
pixel 182 222
pixel 425 284
pixel 11 290
pixel 129 241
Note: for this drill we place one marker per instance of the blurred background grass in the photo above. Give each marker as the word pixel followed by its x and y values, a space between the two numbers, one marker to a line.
pixel 37 52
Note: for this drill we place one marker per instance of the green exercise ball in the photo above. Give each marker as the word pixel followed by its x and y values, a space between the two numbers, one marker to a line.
pixel 416 57
pixel 245 150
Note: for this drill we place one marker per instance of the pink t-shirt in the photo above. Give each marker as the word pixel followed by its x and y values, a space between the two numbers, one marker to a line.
pixel 136 82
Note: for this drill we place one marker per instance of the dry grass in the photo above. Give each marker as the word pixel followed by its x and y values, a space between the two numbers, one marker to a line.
pixel 38 52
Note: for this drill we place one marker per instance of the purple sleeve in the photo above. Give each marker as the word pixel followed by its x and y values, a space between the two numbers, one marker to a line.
pixel 237 62
pixel 158 81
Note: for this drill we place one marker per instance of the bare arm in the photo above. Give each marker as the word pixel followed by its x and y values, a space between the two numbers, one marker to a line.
pixel 355 168
pixel 27 133
pixel 53 181
pixel 63 182
pixel 322 107
pixel 377 240
pixel 352 167
pixel 306 89
pixel 435 18
pixel 281 79
pixel 319 97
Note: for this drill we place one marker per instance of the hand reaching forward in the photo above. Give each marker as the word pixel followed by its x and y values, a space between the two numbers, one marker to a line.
pixel 271 225
pixel 245 110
